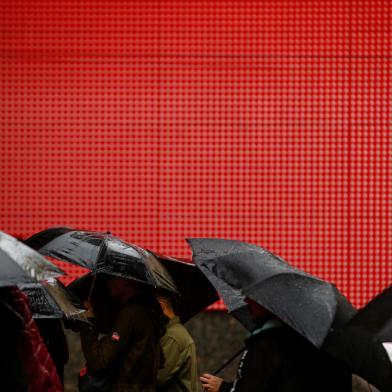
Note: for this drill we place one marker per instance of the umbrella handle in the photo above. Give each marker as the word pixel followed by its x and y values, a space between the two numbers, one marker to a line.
pixel 229 361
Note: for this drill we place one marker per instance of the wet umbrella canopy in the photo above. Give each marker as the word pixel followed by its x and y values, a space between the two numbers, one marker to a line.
pixel 233 299
pixel 312 307
pixel 309 305
pixel 71 307
pixel 11 273
pixel 81 248
pixel 365 343
pixel 41 303
pixel 34 275
pixel 21 264
pixel 196 291
pixel 102 253
pixel 50 300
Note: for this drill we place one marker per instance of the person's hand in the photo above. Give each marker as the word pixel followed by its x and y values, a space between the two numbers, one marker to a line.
pixel 89 313
pixel 211 383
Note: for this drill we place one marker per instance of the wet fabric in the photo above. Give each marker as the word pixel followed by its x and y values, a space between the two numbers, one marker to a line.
pixel 41 303
pixel 103 253
pixel 311 306
pixel 233 298
pixel 51 300
pixel 21 264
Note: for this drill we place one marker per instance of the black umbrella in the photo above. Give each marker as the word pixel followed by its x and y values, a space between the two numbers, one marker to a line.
pixel 233 298
pixel 51 299
pixel 196 291
pixel 365 343
pixel 41 303
pixel 102 253
pixel 20 264
pixel 309 305
pixel 81 248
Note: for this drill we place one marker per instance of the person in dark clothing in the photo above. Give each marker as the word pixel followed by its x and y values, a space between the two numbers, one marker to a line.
pixel 132 345
pixel 12 373
pixel 278 359
pixel 52 333
pixel 26 362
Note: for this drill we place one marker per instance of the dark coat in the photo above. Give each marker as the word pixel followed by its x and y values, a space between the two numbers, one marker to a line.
pixel 281 360
pixel 37 367
pixel 131 346
pixel 51 331
pixel 12 373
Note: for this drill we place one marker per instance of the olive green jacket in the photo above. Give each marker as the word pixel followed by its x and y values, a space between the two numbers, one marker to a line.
pixel 131 347
pixel 179 373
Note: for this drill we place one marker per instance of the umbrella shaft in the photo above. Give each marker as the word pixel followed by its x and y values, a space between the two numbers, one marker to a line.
pixel 229 361
pixel 92 287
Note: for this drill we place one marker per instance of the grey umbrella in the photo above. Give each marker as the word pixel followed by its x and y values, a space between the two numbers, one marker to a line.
pixel 309 305
pixel 21 264
pixel 24 267
pixel 232 297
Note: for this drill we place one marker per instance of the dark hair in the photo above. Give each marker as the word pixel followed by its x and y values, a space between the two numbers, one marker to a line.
pixel 171 298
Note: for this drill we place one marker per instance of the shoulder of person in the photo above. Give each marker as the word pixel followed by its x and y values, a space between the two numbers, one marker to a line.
pixel 283 341
pixel 178 333
pixel 275 337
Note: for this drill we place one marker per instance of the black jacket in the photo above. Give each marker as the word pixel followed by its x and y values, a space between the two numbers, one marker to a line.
pixel 132 346
pixel 281 360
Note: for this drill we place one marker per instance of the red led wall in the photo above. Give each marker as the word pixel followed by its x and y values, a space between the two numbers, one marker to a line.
pixel 265 121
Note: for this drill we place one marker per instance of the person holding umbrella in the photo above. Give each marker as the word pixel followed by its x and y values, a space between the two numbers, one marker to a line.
pixel 13 373
pixel 25 362
pixel 34 370
pixel 277 358
pixel 293 313
pixel 105 254
pixel 179 371
pixel 128 357
pixel 130 353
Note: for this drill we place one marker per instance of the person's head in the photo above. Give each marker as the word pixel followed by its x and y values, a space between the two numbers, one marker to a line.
pixel 122 289
pixel 258 312
pixel 167 305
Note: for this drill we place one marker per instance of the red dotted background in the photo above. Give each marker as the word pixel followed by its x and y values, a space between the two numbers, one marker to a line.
pixel 265 121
